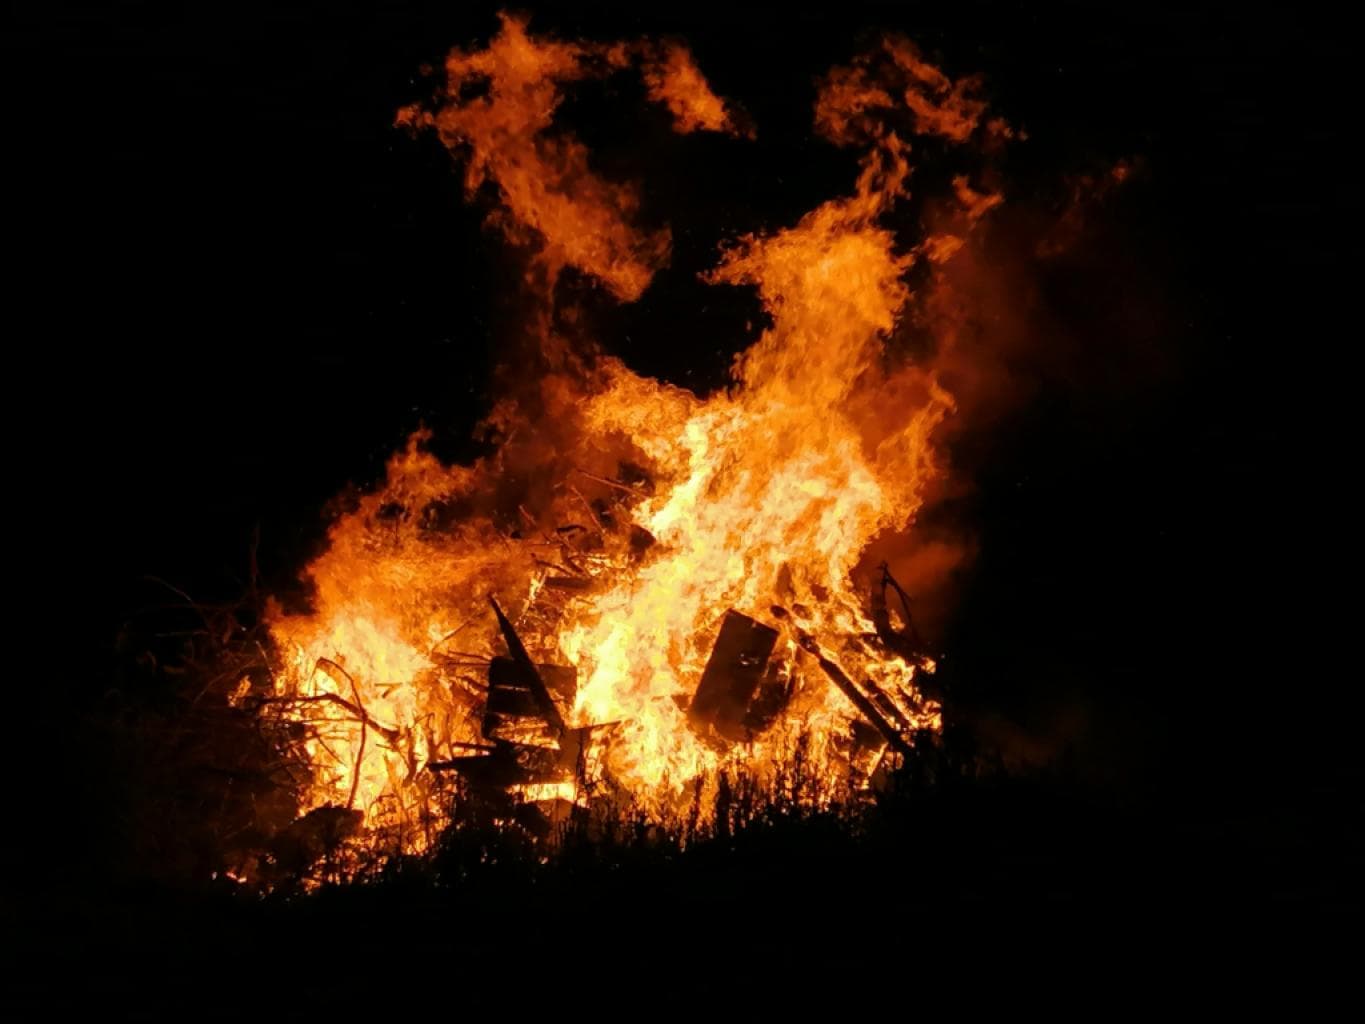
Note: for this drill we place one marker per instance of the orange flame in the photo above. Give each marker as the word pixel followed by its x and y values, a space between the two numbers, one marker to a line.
pixel 673 80
pixel 495 109
pixel 761 499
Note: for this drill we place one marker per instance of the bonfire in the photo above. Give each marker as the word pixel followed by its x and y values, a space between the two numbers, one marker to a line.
pixel 643 591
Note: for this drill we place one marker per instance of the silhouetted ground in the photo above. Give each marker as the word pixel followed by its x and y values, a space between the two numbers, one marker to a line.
pixel 947 892
pixel 956 888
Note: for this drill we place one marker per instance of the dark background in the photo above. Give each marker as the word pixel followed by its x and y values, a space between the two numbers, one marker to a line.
pixel 236 288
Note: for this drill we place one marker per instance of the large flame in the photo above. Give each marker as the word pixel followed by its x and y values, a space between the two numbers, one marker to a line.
pixel 621 517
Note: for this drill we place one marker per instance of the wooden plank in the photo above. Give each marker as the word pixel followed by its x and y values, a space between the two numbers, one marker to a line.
pixel 860 701
pixel 508 764
pixel 525 671
pixel 732 674
pixel 510 689
pixel 508 700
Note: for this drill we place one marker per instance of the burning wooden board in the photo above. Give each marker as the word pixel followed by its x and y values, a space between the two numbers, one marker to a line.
pixel 513 705
pixel 520 672
pixel 736 668
pixel 532 750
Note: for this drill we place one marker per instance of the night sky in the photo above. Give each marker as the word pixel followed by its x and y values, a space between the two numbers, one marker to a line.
pixel 240 288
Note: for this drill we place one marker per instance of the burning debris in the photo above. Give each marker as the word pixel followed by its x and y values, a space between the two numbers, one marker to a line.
pixel 738 666
pixel 744 689
pixel 674 575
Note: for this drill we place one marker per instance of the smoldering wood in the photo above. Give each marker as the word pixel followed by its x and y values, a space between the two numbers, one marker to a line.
pixel 889 580
pixel 733 672
pixel 784 588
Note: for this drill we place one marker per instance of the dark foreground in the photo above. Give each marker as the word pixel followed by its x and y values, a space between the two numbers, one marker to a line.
pixel 1030 890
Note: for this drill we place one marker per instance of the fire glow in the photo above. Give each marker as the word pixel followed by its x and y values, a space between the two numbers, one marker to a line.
pixel 643 588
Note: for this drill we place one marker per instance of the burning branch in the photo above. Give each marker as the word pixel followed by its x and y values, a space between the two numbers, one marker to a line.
pixel 389 733
pixel 851 691
pixel 608 482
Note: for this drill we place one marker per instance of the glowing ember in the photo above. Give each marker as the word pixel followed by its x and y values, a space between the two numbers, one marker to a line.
pixel 644 541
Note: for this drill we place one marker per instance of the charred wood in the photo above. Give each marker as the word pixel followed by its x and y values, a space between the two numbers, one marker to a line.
pixel 639 492
pixel 773 696
pixel 388 732
pixel 860 701
pixel 508 700
pixel 733 672
pixel 636 476
pixel 526 672
pixel 508 764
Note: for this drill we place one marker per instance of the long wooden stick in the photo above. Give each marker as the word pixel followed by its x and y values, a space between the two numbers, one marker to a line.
pixel 389 732
pixel 614 483
pixel 851 691
pixel 517 650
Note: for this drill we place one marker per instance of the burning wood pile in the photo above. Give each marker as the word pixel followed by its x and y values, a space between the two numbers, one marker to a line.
pixel 642 588
pixel 532 758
